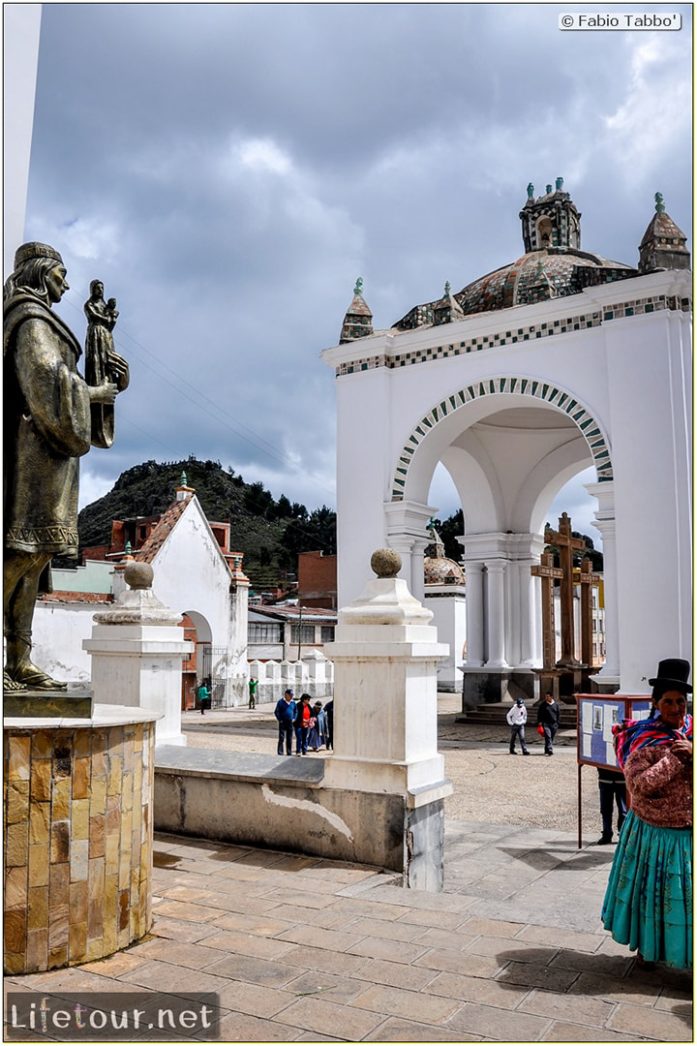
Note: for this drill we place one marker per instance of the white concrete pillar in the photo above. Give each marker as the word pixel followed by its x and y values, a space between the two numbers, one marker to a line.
pixel 474 588
pixel 406 523
pixel 137 648
pixel 605 523
pixel 496 613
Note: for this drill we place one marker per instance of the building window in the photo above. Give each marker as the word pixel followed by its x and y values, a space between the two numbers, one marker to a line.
pixel 327 633
pixel 302 633
pixel 261 632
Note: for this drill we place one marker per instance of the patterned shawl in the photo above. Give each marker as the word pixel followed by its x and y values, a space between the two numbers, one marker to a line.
pixel 631 735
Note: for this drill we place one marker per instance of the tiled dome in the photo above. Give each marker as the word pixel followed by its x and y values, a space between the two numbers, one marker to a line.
pixel 441 571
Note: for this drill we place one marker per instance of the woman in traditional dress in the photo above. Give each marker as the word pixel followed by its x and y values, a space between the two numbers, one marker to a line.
pixel 648 902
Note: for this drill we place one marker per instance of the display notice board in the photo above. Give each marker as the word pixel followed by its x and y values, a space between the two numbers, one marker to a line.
pixel 596 716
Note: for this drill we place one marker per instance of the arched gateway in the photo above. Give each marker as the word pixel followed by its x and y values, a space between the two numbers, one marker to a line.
pixel 559 361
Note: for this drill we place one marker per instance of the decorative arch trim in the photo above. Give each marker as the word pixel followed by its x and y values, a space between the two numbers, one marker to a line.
pixel 563 401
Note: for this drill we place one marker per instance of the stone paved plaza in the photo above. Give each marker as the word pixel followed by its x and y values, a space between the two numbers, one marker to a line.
pixel 303 949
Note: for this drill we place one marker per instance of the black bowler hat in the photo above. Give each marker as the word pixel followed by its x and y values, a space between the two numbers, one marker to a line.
pixel 672 675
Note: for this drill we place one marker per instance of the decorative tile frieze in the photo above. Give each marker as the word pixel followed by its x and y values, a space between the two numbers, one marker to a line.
pixel 541 390
pixel 619 310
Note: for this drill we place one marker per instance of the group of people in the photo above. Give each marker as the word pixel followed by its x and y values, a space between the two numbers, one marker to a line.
pixel 547 723
pixel 312 724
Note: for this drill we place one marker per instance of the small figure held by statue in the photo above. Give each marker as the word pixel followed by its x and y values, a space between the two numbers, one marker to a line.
pixel 49 424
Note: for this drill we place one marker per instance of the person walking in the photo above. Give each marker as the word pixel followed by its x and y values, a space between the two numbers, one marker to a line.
pixel 329 738
pixel 648 901
pixel 613 789
pixel 204 696
pixel 517 717
pixel 548 717
pixel 253 684
pixel 285 714
pixel 303 715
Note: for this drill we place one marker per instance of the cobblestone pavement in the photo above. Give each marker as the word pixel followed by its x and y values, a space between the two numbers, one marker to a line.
pixel 303 949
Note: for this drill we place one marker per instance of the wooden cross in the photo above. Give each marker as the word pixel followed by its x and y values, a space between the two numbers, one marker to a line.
pixel 567 545
pixel 586 579
pixel 547 572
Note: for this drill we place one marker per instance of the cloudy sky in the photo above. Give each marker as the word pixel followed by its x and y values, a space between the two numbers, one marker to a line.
pixel 228 171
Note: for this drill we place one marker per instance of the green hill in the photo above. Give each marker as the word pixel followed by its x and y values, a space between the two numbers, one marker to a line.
pixel 270 532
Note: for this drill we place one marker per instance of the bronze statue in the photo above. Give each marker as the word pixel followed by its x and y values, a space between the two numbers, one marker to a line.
pixel 47 429
pixel 99 353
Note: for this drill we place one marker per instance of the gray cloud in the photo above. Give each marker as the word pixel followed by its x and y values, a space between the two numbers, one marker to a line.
pixel 228 170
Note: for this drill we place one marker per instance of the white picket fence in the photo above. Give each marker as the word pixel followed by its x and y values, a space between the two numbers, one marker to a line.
pixel 313 676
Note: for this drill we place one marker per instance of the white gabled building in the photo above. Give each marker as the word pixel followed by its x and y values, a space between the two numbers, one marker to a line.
pixel 516 383
pixel 193 575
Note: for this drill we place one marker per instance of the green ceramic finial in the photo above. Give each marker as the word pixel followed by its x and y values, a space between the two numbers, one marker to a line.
pixel 128 549
pixel 183 480
pixel 660 206
pixel 531 190
pixel 446 292
pixel 548 188
pixel 559 183
pixel 358 289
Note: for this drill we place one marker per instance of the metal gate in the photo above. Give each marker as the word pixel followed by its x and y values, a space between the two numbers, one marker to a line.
pixel 210 656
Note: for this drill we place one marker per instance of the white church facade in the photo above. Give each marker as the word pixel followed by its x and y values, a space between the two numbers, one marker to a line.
pixel 520 381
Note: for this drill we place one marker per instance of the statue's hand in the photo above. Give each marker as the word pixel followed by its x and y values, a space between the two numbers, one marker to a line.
pixel 118 369
pixel 105 393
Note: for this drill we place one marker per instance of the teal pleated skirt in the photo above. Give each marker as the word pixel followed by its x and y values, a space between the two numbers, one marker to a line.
pixel 648 901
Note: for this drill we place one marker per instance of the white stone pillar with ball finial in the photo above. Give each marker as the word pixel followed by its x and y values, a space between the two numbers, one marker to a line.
pixel 137 648
pixel 385 740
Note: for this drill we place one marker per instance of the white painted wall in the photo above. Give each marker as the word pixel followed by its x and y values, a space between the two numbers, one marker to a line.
pixel 58 630
pixel 447 604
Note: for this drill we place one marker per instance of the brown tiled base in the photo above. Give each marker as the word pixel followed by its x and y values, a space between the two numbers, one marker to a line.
pixel 78 843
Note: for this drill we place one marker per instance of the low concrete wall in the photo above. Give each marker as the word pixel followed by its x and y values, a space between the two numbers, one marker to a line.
pixel 280 802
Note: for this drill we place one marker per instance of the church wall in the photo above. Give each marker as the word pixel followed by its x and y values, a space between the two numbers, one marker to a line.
pixel 58 630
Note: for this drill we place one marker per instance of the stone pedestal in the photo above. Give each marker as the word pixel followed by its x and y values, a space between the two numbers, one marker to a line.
pixel 78 836
pixel 137 647
pixel 385 718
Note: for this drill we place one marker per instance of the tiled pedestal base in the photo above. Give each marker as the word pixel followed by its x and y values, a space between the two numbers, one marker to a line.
pixel 78 837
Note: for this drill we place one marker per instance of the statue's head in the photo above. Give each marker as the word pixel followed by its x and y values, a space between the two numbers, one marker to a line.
pixel 39 269
pixel 96 289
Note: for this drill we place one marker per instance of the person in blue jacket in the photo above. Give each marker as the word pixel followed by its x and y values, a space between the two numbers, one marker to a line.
pixel 285 714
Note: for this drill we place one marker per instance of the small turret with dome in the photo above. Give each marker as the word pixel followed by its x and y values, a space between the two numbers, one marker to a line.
pixel 663 245
pixel 438 569
pixel 358 321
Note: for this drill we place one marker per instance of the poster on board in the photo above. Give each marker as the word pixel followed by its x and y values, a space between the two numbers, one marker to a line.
pixel 596 717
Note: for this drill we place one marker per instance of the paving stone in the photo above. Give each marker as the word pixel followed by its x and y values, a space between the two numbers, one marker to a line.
pixel 166 977
pixel 328 986
pixel 328 918
pixel 256 971
pixel 248 944
pixel 240 1027
pixel 303 900
pixel 537 976
pixel 504 1025
pixel 581 1009
pixel 332 940
pixel 327 1017
pixel 478 989
pixel 411 1005
pixel 670 996
pixel 607 965
pixel 613 990
pixel 254 999
pixel 506 949
pixel 193 956
pixel 176 930
pixel 397 1030
pixel 563 1032
pixel 381 971
pixel 582 942
pixel 378 948
pixel 640 1020
pixel 429 917
pixel 262 925
pixel 195 913
pixel 115 965
pixel 475 924
pixel 460 962
pixel 437 902
pixel 391 931
pixel 321 959
pixel 368 907
pixel 436 938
